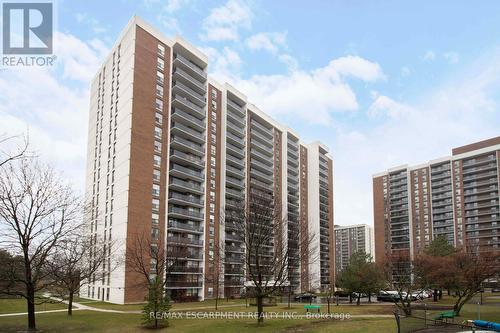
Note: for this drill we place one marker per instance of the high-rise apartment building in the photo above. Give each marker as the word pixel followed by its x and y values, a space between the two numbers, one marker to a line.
pixel 455 197
pixel 171 152
pixel 350 239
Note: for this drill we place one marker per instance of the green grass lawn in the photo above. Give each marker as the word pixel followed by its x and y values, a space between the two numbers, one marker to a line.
pixel 14 305
pixel 88 321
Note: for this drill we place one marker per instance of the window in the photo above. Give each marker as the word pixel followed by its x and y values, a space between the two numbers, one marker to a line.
pixel 156 190
pixel 161 50
pixel 157 146
pixel 159 104
pixel 159 77
pixel 159 90
pixel 156 175
pixel 158 132
pixel 156 204
pixel 155 218
pixel 158 118
pixel 155 233
pixel 161 64
pixel 157 160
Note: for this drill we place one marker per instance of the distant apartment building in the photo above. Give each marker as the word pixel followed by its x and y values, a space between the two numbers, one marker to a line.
pixel 350 239
pixel 171 151
pixel 455 197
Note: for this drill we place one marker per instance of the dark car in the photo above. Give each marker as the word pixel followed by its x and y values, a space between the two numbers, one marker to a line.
pixel 385 296
pixel 305 297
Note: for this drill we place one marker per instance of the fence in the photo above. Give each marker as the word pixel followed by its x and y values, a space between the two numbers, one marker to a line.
pixel 422 321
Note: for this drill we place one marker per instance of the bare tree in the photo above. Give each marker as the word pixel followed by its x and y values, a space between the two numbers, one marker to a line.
pixel 37 210
pixel 9 154
pixel 264 234
pixel 75 260
pixel 400 273
pixel 153 264
pixel 214 276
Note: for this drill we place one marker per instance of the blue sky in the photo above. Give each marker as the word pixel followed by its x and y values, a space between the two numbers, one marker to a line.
pixel 382 83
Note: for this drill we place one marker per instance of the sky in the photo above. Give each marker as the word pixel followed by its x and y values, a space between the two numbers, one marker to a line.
pixel 381 83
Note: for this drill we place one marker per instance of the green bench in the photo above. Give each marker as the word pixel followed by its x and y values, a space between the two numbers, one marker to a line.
pixel 312 307
pixel 445 316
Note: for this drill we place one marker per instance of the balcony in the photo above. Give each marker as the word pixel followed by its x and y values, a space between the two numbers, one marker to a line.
pixel 174 225
pixel 490 166
pixel 266 150
pixel 238 131
pixel 185 270
pixel 180 74
pixel 267 132
pixel 240 123
pixel 184 241
pixel 235 183
pixel 187 132
pixel 197 98
pixel 188 106
pixel 237 141
pixel 182 199
pixel 235 107
pixel 181 185
pixel 235 160
pixel 184 213
pixel 261 185
pixel 264 159
pixel 234 194
pixel 188 64
pixel 179 156
pixel 185 145
pixel 234 172
pixel 261 166
pixel 267 178
pixel 235 151
pixel 183 117
pixel 262 138
pixel 183 172
pixel 183 284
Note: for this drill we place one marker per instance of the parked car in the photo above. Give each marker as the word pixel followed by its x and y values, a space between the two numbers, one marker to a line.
pixel 305 297
pixel 355 295
pixel 388 296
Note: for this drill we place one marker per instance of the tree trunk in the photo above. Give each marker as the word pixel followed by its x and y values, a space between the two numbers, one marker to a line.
pixel 369 297
pixel 328 301
pixel 350 299
pixel 358 300
pixel 70 303
pixel 260 309
pixel 31 308
pixel 440 294
pixel 435 295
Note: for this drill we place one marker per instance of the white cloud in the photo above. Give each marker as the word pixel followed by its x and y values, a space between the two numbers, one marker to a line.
pixel 383 105
pixel 296 93
pixel 174 5
pixel 92 22
pixel 451 57
pixel 226 64
pixel 166 16
pixel 268 41
pixel 224 23
pixel 459 112
pixel 169 23
pixel 352 66
pixel 289 61
pixel 429 55
pixel 79 60
pixel 53 104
